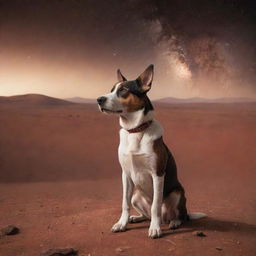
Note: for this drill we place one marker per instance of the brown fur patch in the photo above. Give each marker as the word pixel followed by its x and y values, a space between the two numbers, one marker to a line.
pixel 132 98
pixel 132 103
pixel 162 156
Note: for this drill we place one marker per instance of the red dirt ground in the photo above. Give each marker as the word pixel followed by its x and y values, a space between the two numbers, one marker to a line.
pixel 60 180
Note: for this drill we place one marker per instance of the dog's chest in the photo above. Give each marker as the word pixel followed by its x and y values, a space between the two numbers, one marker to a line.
pixel 137 159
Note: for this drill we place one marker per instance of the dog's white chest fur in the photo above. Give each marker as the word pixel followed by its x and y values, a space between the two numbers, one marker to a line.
pixel 137 157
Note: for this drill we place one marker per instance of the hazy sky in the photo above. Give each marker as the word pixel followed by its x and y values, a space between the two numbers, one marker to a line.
pixel 74 47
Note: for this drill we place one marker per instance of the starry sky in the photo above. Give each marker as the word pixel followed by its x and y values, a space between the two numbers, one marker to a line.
pixel 67 48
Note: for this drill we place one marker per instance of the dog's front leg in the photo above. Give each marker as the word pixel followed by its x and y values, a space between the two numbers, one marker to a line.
pixel 154 229
pixel 127 195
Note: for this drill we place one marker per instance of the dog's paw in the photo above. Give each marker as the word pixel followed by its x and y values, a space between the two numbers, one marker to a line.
pixel 154 231
pixel 136 219
pixel 118 227
pixel 174 224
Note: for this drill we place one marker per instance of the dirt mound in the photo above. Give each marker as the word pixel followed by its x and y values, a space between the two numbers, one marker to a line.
pixel 33 99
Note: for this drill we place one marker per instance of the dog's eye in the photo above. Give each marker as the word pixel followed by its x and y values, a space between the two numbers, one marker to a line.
pixel 123 89
pixel 123 92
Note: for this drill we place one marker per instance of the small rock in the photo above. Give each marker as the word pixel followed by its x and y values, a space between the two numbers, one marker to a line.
pixel 119 250
pixel 122 249
pixel 199 233
pixel 60 252
pixel 9 230
pixel 218 248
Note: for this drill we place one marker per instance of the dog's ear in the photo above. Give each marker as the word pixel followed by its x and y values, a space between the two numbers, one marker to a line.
pixel 146 78
pixel 120 76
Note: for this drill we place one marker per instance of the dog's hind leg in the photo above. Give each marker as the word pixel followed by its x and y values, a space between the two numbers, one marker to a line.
pixel 175 205
pixel 142 206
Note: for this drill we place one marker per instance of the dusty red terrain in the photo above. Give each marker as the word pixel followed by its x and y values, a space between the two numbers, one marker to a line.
pixel 60 179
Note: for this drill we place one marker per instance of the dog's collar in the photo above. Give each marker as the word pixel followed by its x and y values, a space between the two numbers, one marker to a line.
pixel 141 127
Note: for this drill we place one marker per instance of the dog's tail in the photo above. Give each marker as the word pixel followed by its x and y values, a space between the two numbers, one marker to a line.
pixel 196 215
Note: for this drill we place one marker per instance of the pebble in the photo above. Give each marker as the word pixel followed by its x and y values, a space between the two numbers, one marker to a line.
pixel 9 230
pixel 60 252
pixel 199 233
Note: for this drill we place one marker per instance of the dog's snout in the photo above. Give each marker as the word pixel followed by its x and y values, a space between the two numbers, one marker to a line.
pixel 101 100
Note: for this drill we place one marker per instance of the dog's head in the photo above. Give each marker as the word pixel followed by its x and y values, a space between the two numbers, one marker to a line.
pixel 128 96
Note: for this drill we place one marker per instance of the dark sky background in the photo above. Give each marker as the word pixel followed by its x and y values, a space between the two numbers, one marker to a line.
pixel 67 48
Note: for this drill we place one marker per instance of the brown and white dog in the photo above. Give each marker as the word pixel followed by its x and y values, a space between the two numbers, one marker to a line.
pixel 149 173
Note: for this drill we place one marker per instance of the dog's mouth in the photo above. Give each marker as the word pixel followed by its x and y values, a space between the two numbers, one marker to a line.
pixel 111 111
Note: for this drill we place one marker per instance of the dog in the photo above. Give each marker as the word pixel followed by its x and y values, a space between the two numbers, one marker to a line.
pixel 149 172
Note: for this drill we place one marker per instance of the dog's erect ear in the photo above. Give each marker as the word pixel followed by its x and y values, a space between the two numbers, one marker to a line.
pixel 120 77
pixel 146 78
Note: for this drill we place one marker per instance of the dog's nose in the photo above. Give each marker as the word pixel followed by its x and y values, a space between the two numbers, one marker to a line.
pixel 101 100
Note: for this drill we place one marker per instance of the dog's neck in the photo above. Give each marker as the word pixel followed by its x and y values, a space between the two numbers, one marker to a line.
pixel 134 119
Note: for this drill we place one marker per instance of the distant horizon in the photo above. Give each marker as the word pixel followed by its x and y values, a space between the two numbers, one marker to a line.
pixel 153 99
